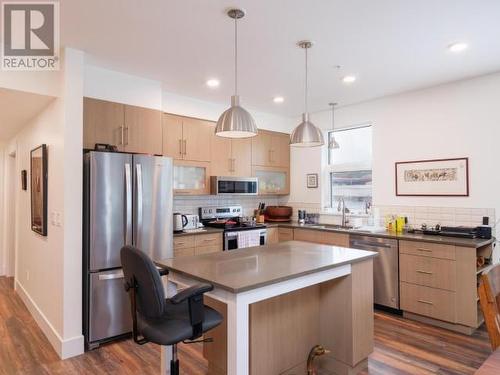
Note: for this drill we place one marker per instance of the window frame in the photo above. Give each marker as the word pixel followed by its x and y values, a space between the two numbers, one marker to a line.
pixel 330 206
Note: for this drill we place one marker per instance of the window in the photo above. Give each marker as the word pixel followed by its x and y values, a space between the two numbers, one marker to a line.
pixel 350 169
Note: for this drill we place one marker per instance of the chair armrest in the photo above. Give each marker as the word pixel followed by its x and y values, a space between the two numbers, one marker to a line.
pixel 161 270
pixel 190 292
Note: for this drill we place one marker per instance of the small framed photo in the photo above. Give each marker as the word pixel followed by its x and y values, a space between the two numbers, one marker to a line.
pixel 433 178
pixel 312 180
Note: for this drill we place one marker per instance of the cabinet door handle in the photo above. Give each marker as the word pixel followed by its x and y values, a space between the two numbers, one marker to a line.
pixel 180 146
pixel 425 272
pixel 425 302
pixel 122 135
pixel 127 137
pixel 270 156
pixel 426 250
pixel 185 147
pixel 233 165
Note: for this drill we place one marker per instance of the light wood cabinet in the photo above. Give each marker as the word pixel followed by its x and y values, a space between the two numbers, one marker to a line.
pixel 272 236
pixel 186 138
pixel 191 177
pixel 231 157
pixel 197 244
pixel 129 128
pixel 143 130
pixel 438 284
pixel 323 237
pixel 285 234
pixel 271 149
pixel 103 122
pixel 272 180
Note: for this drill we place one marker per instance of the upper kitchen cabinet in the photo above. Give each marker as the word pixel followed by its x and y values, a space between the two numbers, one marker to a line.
pixel 271 149
pixel 103 122
pixel 186 138
pixel 231 157
pixel 130 128
pixel 143 130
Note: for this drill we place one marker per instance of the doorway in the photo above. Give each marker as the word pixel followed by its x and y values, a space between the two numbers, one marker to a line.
pixel 10 217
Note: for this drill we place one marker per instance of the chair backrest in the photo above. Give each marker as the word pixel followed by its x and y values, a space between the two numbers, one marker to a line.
pixel 489 298
pixel 139 268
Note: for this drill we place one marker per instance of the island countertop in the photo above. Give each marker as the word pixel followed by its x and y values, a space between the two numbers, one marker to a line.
pixel 245 269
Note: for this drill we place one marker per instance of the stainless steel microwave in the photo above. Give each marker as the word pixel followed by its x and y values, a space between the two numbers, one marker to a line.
pixel 234 185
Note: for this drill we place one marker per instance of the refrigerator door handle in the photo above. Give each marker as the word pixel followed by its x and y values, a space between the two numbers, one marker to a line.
pixel 138 170
pixel 128 204
pixel 112 276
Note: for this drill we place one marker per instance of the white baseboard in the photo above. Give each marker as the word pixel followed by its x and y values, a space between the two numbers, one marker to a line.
pixel 64 348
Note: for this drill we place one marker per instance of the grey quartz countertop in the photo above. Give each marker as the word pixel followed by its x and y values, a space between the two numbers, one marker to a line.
pixel 255 267
pixel 206 230
pixel 465 242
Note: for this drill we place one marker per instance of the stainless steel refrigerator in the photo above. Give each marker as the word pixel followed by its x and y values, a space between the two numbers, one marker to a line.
pixel 127 201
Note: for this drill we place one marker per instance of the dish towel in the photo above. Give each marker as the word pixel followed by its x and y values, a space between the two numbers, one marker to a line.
pixel 248 238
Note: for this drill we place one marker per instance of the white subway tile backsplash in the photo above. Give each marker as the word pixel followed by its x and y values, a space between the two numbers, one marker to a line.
pixel 448 216
pixel 190 205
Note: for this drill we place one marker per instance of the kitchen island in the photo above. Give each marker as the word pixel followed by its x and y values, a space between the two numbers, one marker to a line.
pixel 281 300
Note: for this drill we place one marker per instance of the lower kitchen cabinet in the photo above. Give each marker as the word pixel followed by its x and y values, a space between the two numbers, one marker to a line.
pixel 285 234
pixel 197 244
pixel 323 237
pixel 272 236
pixel 439 282
pixel 191 178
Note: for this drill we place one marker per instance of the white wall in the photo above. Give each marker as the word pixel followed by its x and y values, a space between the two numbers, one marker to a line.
pixel 49 269
pixel 124 88
pixel 460 119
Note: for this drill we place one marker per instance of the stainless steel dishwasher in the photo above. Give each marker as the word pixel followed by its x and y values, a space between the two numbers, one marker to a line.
pixel 385 267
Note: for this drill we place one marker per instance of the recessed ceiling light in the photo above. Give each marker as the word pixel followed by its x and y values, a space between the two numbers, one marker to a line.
pixel 457 47
pixel 278 99
pixel 213 83
pixel 348 79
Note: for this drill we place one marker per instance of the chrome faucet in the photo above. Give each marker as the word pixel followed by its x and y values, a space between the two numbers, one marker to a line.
pixel 342 207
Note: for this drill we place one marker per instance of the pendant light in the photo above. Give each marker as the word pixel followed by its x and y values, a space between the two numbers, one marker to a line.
pixel 236 122
pixel 306 134
pixel 332 142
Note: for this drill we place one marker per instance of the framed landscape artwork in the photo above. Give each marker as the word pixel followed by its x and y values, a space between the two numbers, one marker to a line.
pixel 439 177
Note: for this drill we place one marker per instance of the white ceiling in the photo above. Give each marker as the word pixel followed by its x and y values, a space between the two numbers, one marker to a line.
pixel 18 107
pixel 390 45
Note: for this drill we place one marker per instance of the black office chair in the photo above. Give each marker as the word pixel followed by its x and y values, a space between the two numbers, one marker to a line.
pixel 156 319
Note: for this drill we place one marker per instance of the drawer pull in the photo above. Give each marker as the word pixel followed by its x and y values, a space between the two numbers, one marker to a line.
pixel 426 302
pixel 426 250
pixel 425 272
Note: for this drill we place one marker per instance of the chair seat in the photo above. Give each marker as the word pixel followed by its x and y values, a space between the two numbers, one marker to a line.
pixel 174 326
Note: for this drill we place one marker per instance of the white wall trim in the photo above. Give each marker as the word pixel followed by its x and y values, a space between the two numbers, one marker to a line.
pixel 65 348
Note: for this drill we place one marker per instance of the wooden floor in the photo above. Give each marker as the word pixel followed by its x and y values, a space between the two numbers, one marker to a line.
pixel 401 347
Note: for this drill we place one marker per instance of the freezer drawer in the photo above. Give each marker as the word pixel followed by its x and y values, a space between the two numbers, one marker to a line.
pixel 109 306
pixel 385 268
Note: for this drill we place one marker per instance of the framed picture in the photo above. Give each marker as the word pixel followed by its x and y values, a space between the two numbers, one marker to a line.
pixel 433 178
pixel 312 180
pixel 38 175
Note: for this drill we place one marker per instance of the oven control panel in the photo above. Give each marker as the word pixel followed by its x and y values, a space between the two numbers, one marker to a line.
pixel 220 212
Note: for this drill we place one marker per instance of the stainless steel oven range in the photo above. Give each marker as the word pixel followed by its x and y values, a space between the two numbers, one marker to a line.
pixel 231 220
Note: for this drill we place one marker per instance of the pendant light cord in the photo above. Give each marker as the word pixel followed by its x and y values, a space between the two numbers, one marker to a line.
pixel 306 85
pixel 236 56
pixel 333 117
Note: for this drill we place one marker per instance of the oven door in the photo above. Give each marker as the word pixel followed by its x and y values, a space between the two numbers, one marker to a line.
pixel 231 239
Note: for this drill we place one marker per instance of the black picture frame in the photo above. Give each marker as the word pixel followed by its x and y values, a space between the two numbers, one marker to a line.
pixel 39 185
pixel 24 179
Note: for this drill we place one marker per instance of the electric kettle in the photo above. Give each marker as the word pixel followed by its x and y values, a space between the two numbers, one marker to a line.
pixel 180 221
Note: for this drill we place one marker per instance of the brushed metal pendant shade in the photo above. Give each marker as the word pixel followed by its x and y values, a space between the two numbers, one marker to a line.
pixel 236 122
pixel 306 134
